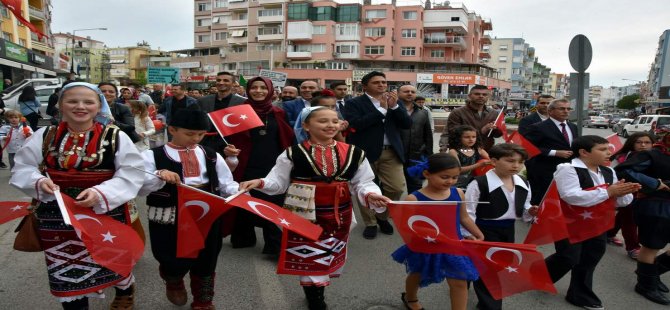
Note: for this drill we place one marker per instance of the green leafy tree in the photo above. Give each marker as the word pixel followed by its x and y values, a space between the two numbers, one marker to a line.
pixel 141 77
pixel 628 102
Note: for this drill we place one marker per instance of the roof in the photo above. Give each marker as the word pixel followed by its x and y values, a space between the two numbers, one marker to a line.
pixel 69 36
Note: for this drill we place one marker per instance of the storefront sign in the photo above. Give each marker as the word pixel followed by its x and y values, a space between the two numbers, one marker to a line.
pixel 454 78
pixel 277 78
pixel 37 58
pixel 424 78
pixel 357 75
pixel 16 52
pixel 186 65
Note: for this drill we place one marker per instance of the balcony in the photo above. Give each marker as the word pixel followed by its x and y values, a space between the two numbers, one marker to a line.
pixel 346 55
pixel 271 37
pixel 455 21
pixel 353 34
pixel 37 43
pixel 457 43
pixel 262 2
pixel 299 31
pixel 237 40
pixel 485 39
pixel 271 19
pixel 237 4
pixel 484 54
pixel 37 13
pixel 237 23
pixel 487 25
pixel 299 55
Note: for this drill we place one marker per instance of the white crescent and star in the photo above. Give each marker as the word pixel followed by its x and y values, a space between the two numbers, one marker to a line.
pixel 254 205
pixel 17 208
pixel 108 237
pixel 494 249
pixel 284 222
pixel 421 218
pixel 79 217
pixel 198 203
pixel 586 215
pixel 226 122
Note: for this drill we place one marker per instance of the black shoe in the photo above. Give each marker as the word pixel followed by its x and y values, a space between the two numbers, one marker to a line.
pixel 370 232
pixel 385 227
pixel 407 302
pixel 653 295
pixel 588 307
pixel 315 297
pixel 662 287
pixel 2 165
pixel 647 283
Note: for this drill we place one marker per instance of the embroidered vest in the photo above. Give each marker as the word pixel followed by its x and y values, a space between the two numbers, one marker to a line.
pixel 498 204
pixel 585 180
pixel 305 168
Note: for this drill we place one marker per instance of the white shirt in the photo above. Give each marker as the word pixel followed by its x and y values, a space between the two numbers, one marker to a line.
pixel 306 102
pixel 543 117
pixel 560 129
pixel 17 138
pixel 146 127
pixel 493 180
pixel 227 186
pixel 571 192
pixel 383 111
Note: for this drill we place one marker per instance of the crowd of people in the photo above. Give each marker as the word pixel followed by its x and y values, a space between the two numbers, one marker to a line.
pixel 334 152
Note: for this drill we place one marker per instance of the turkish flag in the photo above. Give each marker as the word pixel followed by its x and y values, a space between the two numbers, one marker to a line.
pixel 615 143
pixel 10 210
pixel 276 214
pixel 500 123
pixel 197 212
pixel 587 222
pixel 15 7
pixel 428 227
pixel 517 138
pixel 549 225
pixel 235 119
pixel 509 268
pixel 112 244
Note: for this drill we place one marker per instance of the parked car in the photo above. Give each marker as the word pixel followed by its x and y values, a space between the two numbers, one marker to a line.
pixel 646 123
pixel 597 121
pixel 18 87
pixel 42 92
pixel 618 126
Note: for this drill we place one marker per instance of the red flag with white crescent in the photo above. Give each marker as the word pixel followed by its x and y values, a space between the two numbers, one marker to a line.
pixel 112 244
pixel 197 211
pixel 15 7
pixel 500 123
pixel 549 225
pixel 278 215
pixel 587 222
pixel 428 227
pixel 509 268
pixel 615 143
pixel 10 210
pixel 517 138
pixel 235 119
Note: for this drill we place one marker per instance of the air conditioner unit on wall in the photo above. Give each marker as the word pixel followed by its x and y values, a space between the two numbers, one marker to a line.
pixel 222 54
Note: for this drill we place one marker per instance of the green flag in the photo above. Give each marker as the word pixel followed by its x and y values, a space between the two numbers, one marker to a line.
pixel 243 82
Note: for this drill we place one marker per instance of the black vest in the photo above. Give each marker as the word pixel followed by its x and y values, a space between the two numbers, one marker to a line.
pixel 304 166
pixel 585 180
pixel 167 196
pixel 498 204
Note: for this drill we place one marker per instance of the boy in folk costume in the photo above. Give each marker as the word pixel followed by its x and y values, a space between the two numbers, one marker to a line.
pixel 329 168
pixel 183 160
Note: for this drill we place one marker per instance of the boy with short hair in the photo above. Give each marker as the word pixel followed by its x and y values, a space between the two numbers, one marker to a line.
pixel 508 198
pixel 572 179
pixel 183 160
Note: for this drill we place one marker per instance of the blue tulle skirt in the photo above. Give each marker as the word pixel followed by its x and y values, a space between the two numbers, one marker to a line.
pixel 434 268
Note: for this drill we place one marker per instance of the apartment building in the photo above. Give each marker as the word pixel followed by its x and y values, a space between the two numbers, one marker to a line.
pixel 131 62
pixel 22 53
pixel 558 85
pixel 595 102
pixel 658 96
pixel 91 58
pixel 329 41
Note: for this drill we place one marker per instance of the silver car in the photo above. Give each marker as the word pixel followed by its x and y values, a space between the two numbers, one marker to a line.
pixel 618 126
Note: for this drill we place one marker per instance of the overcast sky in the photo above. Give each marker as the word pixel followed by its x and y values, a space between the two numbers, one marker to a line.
pixel 624 34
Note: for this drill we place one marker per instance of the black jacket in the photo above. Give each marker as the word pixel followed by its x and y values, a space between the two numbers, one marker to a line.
pixel 526 122
pixel 124 120
pixel 417 141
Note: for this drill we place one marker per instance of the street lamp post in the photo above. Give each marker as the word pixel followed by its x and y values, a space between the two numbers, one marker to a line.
pixel 73 37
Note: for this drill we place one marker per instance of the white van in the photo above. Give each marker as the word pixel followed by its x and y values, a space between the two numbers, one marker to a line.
pixel 646 123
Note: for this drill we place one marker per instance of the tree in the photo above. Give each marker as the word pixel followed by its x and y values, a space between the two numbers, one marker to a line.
pixel 628 102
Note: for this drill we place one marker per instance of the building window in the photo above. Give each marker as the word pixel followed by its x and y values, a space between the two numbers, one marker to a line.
pixel 517 59
pixel 298 11
pixel 435 38
pixel 202 38
pixel 203 22
pixel 409 15
pixel 269 30
pixel 455 18
pixel 437 53
pixel 204 7
pixel 374 50
pixel 219 36
pixel 519 47
pixel 503 47
pixel 502 59
pixel 347 29
pixel 322 13
pixel 346 49
pixel 4 11
pixel 221 3
pixel 337 65
pixel 320 29
pixel 375 14
pixel 270 12
pixel 238 33
pixel 220 19
pixel 375 32
pixel 241 16
pixel 408 51
pixel 348 13
pixel 7 36
pixel 502 71
pixel 238 49
pixel 22 42
pixel 268 47
pixel 408 33
pixel 314 48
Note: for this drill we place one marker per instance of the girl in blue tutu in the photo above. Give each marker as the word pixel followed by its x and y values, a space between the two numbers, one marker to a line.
pixel 441 171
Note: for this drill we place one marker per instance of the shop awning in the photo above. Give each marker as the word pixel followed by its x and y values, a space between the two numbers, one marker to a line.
pixel 26 67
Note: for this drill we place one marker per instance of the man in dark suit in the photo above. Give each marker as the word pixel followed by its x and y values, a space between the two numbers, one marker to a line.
pixel 377 119
pixel 540 115
pixel 553 137
pixel 294 107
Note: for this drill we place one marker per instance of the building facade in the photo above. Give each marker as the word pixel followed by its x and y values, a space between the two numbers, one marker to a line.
pixel 22 53
pixel 658 95
pixel 130 63
pixel 88 58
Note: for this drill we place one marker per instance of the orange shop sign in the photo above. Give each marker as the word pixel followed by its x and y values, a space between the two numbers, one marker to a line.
pixel 454 78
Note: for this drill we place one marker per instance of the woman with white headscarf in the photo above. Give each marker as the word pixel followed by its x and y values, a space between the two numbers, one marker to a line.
pixel 94 163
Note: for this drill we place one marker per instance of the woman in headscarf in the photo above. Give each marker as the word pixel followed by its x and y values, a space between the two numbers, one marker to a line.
pixel 97 165
pixel 127 94
pixel 259 148
pixel 651 210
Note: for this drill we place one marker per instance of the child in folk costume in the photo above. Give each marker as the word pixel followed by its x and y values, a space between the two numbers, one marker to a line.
pixel 14 135
pixel 183 160
pixel 330 168
pixel 95 164
pixel 442 172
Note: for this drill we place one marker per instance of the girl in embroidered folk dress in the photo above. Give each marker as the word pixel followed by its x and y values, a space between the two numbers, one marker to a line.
pixel 442 171
pixel 331 167
pixel 93 163
pixel 465 145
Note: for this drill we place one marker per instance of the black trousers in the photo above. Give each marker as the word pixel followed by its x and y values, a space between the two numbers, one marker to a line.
pixel 244 234
pixel 495 234
pixel 164 248
pixel 582 258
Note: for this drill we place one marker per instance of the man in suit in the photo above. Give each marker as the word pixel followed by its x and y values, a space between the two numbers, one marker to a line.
pixel 224 98
pixel 294 107
pixel 554 138
pixel 541 114
pixel 377 119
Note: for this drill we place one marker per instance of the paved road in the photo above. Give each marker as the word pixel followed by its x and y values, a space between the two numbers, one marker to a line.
pixel 246 280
